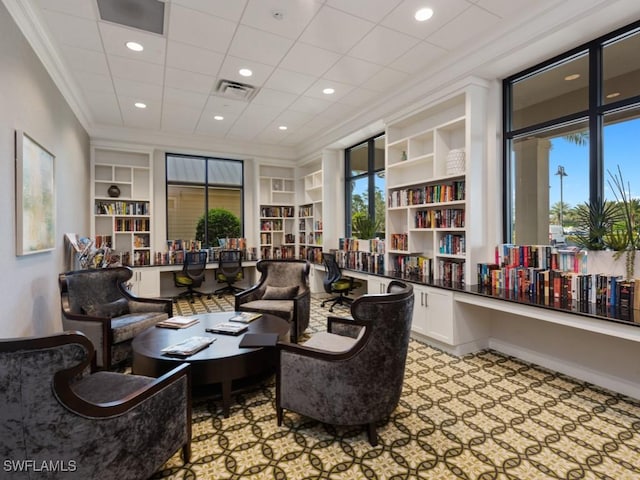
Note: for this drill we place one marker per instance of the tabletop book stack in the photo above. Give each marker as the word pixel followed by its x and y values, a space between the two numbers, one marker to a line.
pixel 178 322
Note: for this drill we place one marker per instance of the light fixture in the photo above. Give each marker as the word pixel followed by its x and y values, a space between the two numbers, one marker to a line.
pixel 245 72
pixel 573 76
pixel 140 105
pixel 423 14
pixel 135 46
pixel 328 91
pixel 282 127
pixel 218 117
pixel 613 95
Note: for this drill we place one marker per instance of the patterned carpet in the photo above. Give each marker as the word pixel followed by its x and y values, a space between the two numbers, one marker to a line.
pixel 484 416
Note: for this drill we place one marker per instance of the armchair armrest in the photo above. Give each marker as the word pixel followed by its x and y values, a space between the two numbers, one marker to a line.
pixel 249 295
pixel 346 326
pixel 311 352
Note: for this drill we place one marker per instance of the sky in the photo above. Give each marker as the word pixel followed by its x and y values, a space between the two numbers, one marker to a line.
pixel 621 147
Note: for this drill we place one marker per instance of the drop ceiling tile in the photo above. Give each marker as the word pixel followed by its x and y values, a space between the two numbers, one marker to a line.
pixel 193 82
pixel 296 16
pixel 200 29
pixel 263 47
pixel 192 100
pixel 179 118
pixel 83 60
pixel 74 31
pixel 224 106
pixel 77 8
pixel 309 60
pixel 289 81
pixel 115 37
pixel 385 80
pixel 382 46
pixel 466 27
pixel 293 119
pixel 347 30
pixel 341 89
pixel 193 59
pixel 94 82
pixel 104 108
pixel 127 69
pixel 210 126
pixel 276 98
pixel 220 8
pixel 419 57
pixel 148 118
pixel 231 65
pixel 338 112
pixel 352 70
pixel 359 97
pixel 507 8
pixel 372 10
pixel 142 92
pixel 309 105
pixel 402 18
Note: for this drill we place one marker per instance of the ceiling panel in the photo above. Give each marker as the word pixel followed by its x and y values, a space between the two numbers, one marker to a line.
pixel 193 59
pixel 351 29
pixel 258 45
pixel 115 37
pixel 220 8
pixel 383 45
pixel 295 17
pixel 308 59
pixel 372 10
pixel 200 29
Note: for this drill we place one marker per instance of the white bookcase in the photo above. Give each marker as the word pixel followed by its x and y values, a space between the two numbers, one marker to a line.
pixel 310 213
pixel 277 212
pixel 121 202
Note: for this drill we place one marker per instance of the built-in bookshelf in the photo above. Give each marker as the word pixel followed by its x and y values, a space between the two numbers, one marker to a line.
pixel 122 211
pixel 277 212
pixel 362 255
pixel 310 217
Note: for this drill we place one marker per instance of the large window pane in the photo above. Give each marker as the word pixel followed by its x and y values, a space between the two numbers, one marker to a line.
pixel 185 206
pixel 621 145
pixel 554 92
pixel 359 160
pixel 621 69
pixel 551 178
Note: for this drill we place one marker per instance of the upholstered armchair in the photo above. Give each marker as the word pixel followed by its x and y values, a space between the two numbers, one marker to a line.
pixel 351 374
pixel 97 303
pixel 80 425
pixel 283 290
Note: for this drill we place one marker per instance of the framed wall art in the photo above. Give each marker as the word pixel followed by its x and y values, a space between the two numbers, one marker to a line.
pixel 35 197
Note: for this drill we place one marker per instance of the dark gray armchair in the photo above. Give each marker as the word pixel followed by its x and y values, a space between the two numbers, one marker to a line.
pixel 283 290
pixel 353 373
pixel 97 303
pixel 83 425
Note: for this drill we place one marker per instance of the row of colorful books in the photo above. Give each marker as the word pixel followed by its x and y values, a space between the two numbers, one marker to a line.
pixel 358 260
pixel 373 245
pixel 439 218
pixel 288 212
pixel 419 266
pixel 427 195
pixel 568 259
pixel 553 285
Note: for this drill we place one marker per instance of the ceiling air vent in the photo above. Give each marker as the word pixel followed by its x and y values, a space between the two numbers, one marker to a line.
pixel 236 90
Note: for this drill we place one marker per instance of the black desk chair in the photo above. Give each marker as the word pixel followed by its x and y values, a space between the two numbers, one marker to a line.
pixel 334 282
pixel 191 276
pixel 229 271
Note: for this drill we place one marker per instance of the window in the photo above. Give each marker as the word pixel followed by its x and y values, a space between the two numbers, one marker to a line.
pixel 365 189
pixel 196 185
pixel 570 125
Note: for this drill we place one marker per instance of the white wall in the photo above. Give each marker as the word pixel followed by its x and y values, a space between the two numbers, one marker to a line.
pixel 30 101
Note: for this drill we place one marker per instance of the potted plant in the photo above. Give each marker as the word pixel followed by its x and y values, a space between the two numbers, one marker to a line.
pixel 364 227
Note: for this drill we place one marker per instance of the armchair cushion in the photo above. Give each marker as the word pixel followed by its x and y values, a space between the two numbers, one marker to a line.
pixel 126 327
pixel 104 387
pixel 330 342
pixel 280 293
pixel 108 310
pixel 281 308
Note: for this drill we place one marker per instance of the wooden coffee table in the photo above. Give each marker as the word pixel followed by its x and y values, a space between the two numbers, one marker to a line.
pixel 223 362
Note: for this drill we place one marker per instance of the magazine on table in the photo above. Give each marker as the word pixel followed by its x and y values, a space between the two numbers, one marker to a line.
pixel 245 317
pixel 178 322
pixel 228 328
pixel 189 346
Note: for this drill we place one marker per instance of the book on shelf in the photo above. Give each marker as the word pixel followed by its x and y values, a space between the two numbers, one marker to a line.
pixel 178 322
pixel 189 346
pixel 245 317
pixel 228 328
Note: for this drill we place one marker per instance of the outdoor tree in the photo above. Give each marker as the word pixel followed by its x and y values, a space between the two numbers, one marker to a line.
pixel 221 223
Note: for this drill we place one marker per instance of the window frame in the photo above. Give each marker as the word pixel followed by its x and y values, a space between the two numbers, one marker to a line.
pixel 594 116
pixel 206 185
pixel 369 174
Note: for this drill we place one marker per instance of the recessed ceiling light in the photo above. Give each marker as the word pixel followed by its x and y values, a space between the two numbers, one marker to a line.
pixel 140 105
pixel 423 14
pixel 613 95
pixel 282 127
pixel 573 76
pixel 135 46
pixel 328 91
pixel 245 72
pixel 218 117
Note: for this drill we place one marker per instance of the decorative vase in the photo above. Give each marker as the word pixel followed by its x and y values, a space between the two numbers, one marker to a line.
pixel 114 191
pixel 455 161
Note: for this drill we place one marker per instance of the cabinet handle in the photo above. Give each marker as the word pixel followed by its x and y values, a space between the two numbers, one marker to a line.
pixel 426 299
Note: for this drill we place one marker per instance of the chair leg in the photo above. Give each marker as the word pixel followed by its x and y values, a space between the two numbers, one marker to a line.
pixel 186 452
pixel 279 416
pixel 371 434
